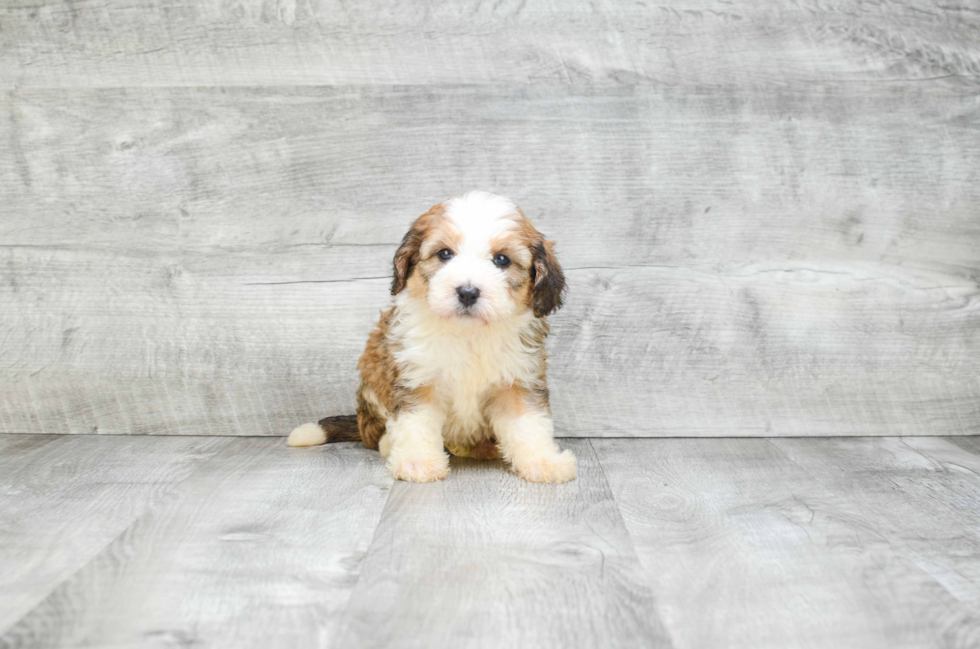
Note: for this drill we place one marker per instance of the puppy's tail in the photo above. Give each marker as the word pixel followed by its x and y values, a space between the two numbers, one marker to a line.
pixel 326 431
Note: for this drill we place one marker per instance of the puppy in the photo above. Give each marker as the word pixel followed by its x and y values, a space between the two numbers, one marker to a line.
pixel 457 362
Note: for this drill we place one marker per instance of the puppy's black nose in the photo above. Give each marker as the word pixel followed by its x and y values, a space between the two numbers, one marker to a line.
pixel 468 295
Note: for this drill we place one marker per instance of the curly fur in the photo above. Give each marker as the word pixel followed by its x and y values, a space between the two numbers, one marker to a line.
pixel 438 374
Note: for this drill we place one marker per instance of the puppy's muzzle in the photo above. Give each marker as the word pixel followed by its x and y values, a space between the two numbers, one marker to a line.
pixel 468 295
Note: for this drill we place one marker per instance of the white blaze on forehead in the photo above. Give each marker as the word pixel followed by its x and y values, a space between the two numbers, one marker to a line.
pixel 480 216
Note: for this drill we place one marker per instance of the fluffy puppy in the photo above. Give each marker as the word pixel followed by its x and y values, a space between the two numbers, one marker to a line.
pixel 457 362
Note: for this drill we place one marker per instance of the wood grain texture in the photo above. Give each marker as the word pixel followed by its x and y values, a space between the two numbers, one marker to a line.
pixel 924 493
pixel 673 175
pixel 969 444
pixel 16 450
pixel 485 559
pixel 209 261
pixel 684 542
pixel 743 548
pixel 168 42
pixel 259 548
pixel 63 499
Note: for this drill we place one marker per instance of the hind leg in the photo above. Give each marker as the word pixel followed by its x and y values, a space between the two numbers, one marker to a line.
pixel 483 450
pixel 371 417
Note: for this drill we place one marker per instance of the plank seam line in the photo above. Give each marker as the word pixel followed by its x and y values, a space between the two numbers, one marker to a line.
pixel 939 463
pixel 646 82
pixel 921 454
pixel 612 493
pixel 345 616
pixel 636 555
pixel 316 281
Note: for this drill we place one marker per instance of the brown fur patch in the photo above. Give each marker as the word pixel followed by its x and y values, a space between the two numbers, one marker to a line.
pixel 381 393
pixel 408 399
pixel 407 256
pixel 342 428
pixel 537 388
pixel 418 283
pixel 547 278
pixel 441 233
pixel 506 402
pixel 379 375
pixel 517 399
pixel 516 245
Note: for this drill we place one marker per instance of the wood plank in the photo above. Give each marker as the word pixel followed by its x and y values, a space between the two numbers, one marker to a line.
pixel 674 176
pixel 17 450
pixel 752 350
pixel 744 549
pixel 169 42
pixel 259 548
pixel 486 559
pixel 766 265
pixel 969 444
pixel 924 493
pixel 62 499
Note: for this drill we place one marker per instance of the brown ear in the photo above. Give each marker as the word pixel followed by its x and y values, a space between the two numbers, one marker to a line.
pixel 547 280
pixel 406 257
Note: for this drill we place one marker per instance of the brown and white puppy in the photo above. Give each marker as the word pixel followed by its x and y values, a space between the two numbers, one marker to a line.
pixel 458 361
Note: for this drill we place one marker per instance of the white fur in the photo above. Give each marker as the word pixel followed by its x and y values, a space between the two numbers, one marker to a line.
pixel 463 358
pixel 307 435
pixel 461 363
pixel 479 217
pixel 415 451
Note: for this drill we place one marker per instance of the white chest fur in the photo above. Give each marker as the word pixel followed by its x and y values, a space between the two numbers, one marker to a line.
pixel 462 363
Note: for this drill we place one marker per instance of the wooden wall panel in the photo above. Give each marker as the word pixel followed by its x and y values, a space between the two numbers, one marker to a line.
pixel 109 43
pixel 249 343
pixel 863 171
pixel 775 232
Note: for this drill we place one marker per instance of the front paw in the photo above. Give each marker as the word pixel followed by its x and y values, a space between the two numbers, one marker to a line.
pixel 550 467
pixel 419 469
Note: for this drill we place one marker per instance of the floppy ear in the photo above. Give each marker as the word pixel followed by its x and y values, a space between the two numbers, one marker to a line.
pixel 406 257
pixel 547 280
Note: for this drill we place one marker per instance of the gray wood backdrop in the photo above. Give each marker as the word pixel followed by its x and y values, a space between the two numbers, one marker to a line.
pixel 769 211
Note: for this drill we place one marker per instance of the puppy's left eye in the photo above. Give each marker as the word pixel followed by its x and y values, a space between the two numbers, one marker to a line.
pixel 501 261
pixel 445 254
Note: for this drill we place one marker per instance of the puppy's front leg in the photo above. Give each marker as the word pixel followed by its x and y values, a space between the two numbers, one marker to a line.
pixel 416 452
pixel 527 442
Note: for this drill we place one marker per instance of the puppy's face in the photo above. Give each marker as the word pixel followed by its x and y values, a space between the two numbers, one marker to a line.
pixel 476 259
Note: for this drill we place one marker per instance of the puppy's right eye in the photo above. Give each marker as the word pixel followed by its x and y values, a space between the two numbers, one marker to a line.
pixel 445 254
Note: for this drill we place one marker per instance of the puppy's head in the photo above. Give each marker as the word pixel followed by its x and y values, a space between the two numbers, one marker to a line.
pixel 476 259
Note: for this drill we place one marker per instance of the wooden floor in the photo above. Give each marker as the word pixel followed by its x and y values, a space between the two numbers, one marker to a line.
pixel 242 542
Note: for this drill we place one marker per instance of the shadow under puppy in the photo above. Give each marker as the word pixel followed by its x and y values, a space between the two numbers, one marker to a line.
pixel 458 361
